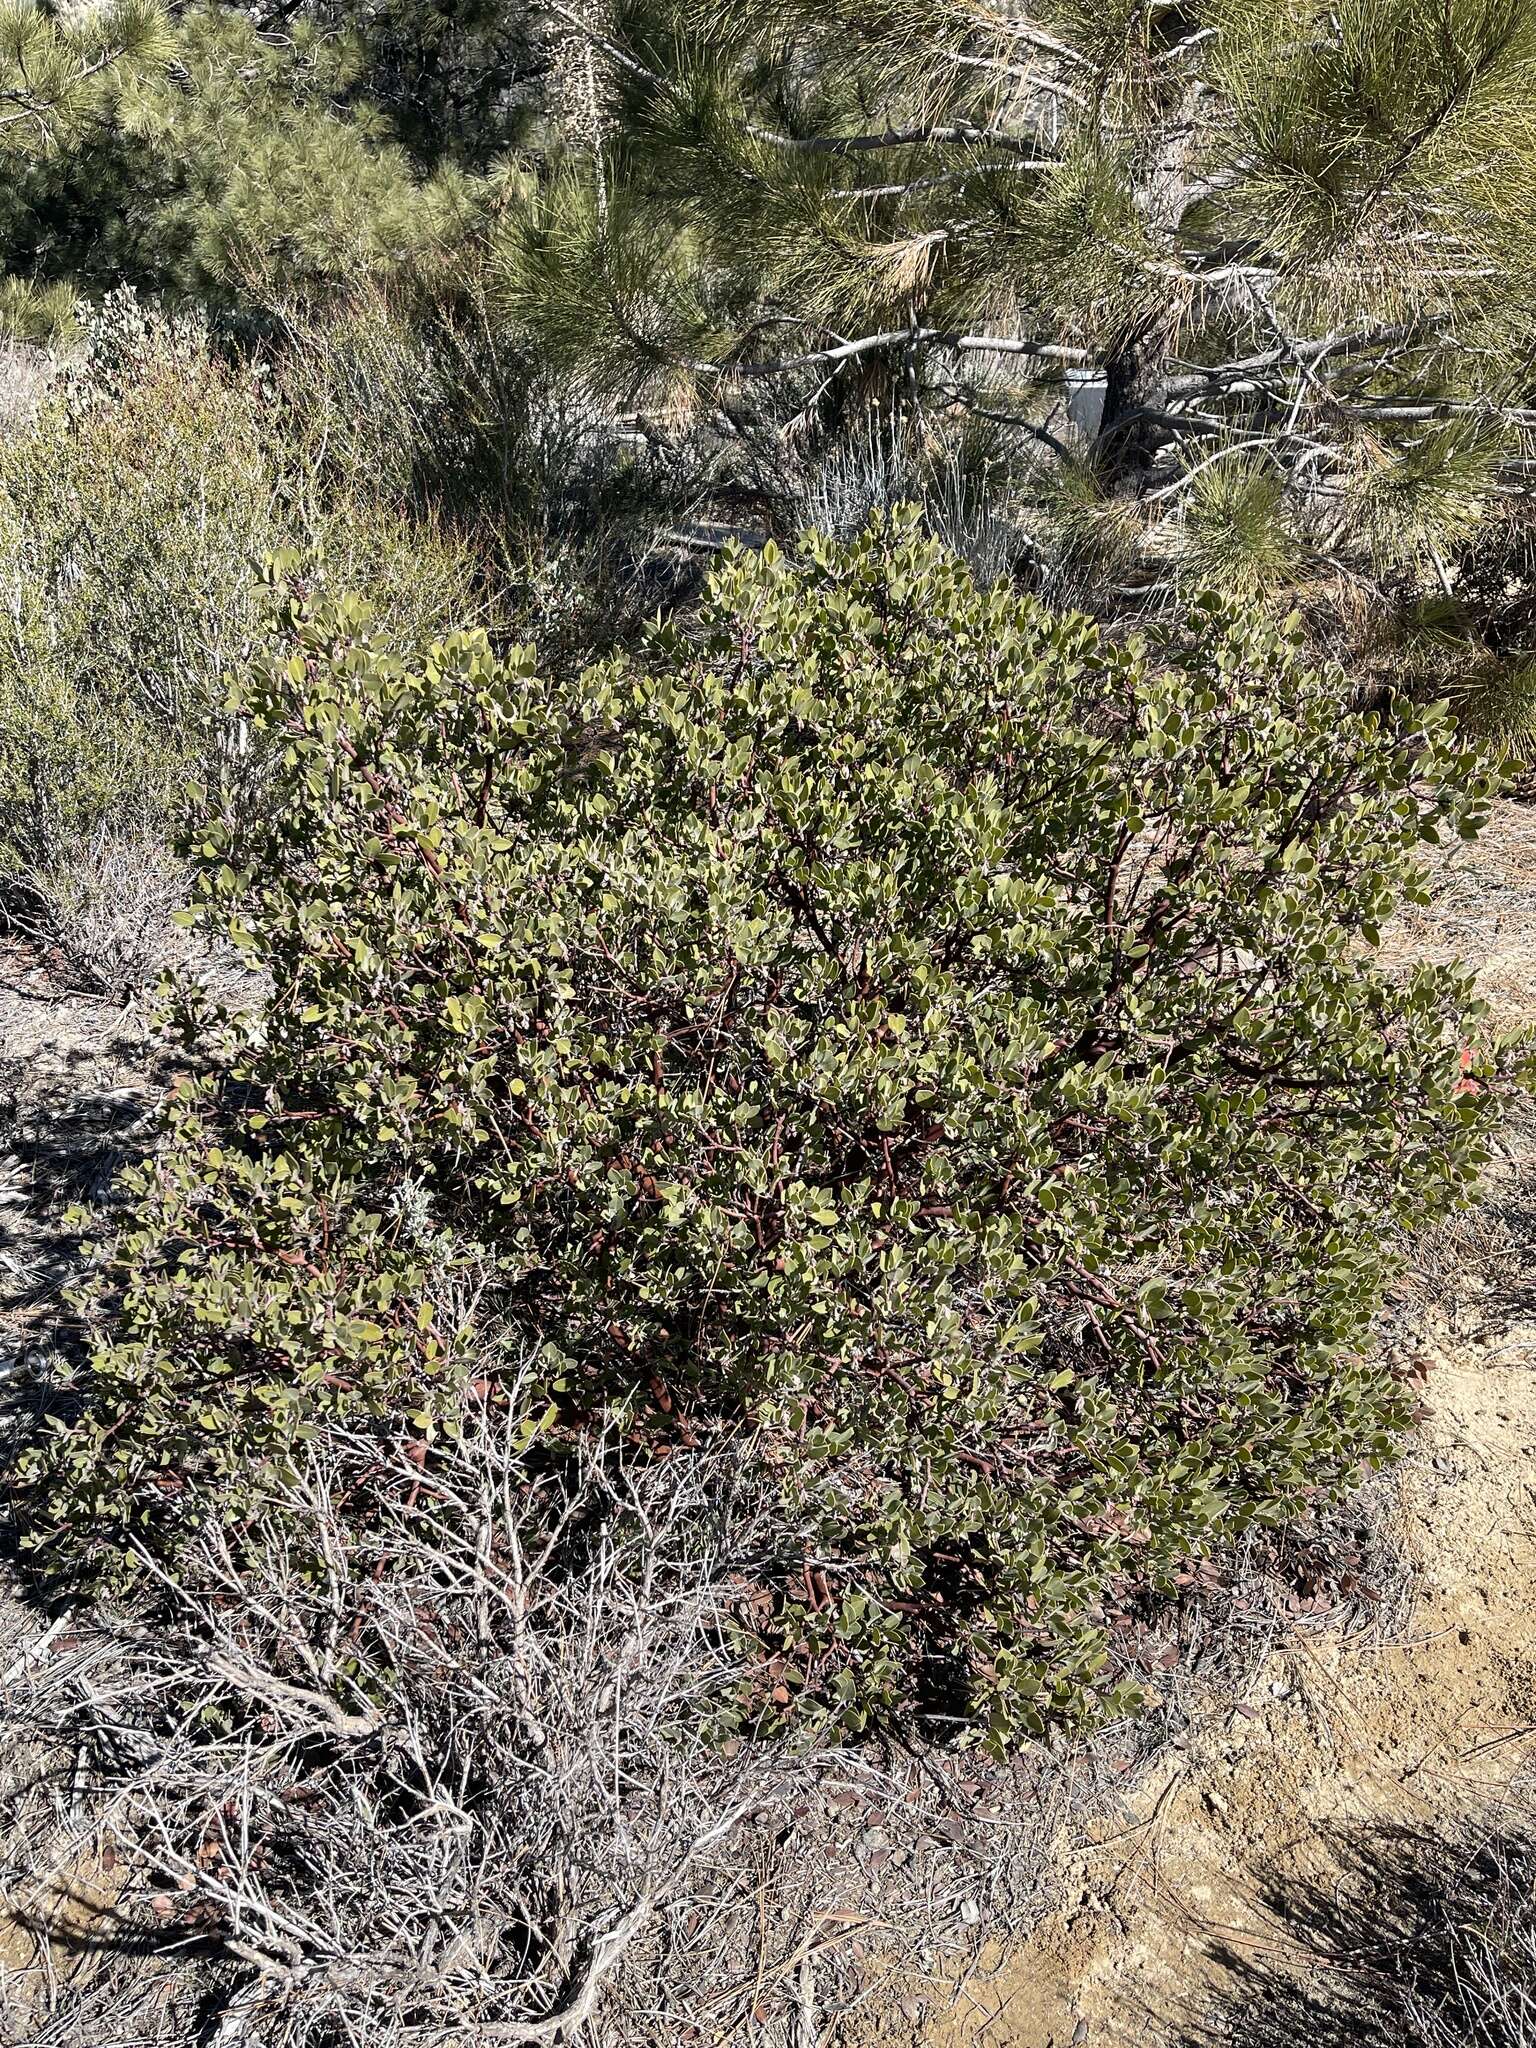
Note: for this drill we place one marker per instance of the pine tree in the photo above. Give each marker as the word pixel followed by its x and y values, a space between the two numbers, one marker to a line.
pixel 240 165
pixel 55 71
pixel 1255 279
pixel 461 80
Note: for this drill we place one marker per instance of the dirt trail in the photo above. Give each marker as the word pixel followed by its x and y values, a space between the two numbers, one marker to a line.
pixel 1166 1911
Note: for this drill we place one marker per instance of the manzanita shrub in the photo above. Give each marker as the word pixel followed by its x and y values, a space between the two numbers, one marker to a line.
pixel 886 1015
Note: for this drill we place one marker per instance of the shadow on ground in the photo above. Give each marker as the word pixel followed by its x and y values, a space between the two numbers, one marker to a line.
pixel 1418 1937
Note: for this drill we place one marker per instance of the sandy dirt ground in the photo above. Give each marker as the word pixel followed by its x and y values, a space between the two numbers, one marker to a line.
pixel 1332 1740
pixel 77 1087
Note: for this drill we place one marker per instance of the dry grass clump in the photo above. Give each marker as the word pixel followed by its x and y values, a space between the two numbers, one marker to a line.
pixel 436 1749
pixel 106 912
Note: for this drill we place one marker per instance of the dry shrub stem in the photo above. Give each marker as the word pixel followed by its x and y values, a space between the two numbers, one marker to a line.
pixel 427 1756
pixel 106 912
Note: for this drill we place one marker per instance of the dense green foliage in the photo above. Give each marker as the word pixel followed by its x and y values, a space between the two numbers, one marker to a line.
pixel 922 1027
pixel 1242 292
pixel 458 79
pixel 61 70
pixel 886 1011
pixel 1249 284
pixel 245 171
pixel 1206 192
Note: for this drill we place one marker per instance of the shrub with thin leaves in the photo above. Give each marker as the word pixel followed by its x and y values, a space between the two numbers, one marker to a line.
pixel 888 1013
pixel 136 504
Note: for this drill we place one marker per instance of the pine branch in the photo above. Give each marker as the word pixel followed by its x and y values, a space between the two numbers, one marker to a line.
pixel 1201 378
pixel 905 138
pixel 902 337
pixel 1273 234
pixel 47 69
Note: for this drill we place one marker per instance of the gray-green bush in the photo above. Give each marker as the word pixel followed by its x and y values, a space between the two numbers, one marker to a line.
pixel 888 1013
